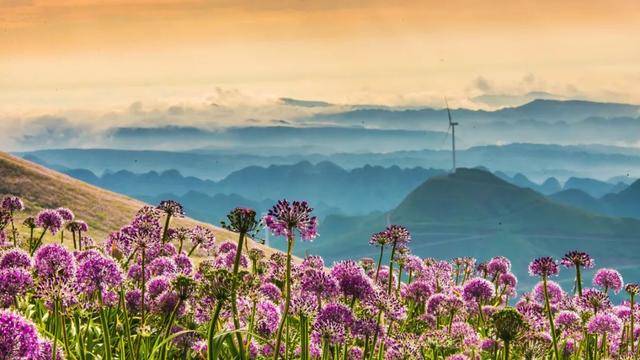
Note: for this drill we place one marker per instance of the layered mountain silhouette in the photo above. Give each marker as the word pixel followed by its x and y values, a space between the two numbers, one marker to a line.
pixel 475 212
pixel 625 203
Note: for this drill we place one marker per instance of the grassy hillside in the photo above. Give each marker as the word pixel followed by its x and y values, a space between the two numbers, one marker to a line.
pixel 104 211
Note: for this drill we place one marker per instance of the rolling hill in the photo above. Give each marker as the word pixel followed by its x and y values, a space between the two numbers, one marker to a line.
pixel 475 213
pixel 103 210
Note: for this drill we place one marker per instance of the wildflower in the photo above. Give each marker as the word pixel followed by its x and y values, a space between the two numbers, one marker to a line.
pixel 498 265
pixel 594 300
pixel 18 337
pixel 267 318
pixel 284 218
pixel 478 289
pixel 332 323
pixel 608 279
pixel 66 214
pixel 15 258
pixel 14 282
pixel 555 292
pixel 202 237
pixel 49 220
pixel 543 267
pixel 352 280
pixel 577 259
pixel 54 261
pixel 171 208
pixel 318 283
pixel 604 323
pixel 98 274
pixel 12 204
pixel 241 220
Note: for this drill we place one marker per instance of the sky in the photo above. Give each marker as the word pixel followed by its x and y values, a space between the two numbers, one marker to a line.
pixel 105 55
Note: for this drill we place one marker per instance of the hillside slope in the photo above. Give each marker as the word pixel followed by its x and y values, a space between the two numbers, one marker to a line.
pixel 103 210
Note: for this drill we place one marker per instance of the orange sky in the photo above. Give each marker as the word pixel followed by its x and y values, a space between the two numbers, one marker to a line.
pixel 60 54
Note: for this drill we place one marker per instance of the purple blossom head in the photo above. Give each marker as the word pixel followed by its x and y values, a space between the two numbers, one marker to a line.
pixel 543 267
pixel 29 222
pixel 567 319
pixel 133 300
pixel 12 204
pixel 319 283
pixel 203 237
pixel 478 289
pixel 163 265
pixel 498 265
pixel 183 264
pixel 508 280
pixel 285 217
pixel 554 290
pixel 15 258
pixel 604 323
pixel 594 300
pixel 18 337
pixel 14 282
pixel 398 235
pixel 631 288
pixel 54 261
pixel 352 280
pixel 77 226
pixel 98 273
pixel 380 239
pixel 171 208
pixel 418 291
pixel 267 318
pixel 49 219
pixel 577 258
pixel 608 279
pixel 45 351
pixel 241 220
pixel 313 262
pixel 332 323
pixel 65 214
pixel 271 292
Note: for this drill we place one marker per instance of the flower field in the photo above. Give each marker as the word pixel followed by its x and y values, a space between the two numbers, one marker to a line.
pixel 139 294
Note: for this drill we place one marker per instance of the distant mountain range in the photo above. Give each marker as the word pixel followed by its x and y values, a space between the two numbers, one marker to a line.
pixel 538 161
pixel 475 212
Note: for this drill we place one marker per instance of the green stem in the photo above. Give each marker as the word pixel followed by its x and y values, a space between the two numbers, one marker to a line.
pixel 234 289
pixel 578 280
pixel 192 249
pixel 551 324
pixel 632 335
pixel 212 331
pixel 506 350
pixel 287 301
pixel 37 244
pixel 106 337
pixel 390 285
pixel 379 261
pixel 55 329
pixel 166 228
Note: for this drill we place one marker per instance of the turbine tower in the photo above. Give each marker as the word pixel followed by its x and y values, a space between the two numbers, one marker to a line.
pixel 452 126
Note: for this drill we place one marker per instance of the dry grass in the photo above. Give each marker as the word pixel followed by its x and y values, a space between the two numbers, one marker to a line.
pixel 103 210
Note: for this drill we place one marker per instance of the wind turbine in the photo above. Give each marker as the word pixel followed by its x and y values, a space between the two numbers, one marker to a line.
pixel 452 126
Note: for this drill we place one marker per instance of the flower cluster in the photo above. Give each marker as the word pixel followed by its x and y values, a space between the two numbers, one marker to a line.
pixel 125 297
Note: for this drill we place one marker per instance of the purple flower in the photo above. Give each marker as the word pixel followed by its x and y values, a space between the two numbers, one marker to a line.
pixel 498 265
pixel 54 261
pixel 49 220
pixel 543 267
pixel 12 204
pixel 18 337
pixel 604 323
pixel 77 226
pixel 554 290
pixel 478 289
pixel 162 266
pixel 98 273
pixel 508 279
pixel 352 280
pixel 183 264
pixel 594 300
pixel 133 300
pixel 577 258
pixel 332 323
pixel 608 279
pixel 14 282
pixel 171 208
pixel 284 218
pixel 267 318
pixel 241 220
pixel 418 291
pixel 15 258
pixel 319 283
pixel 45 351
pixel 271 292
pixel 380 239
pixel 567 319
pixel 203 237
pixel 65 214
pixel 313 262
pixel 398 235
